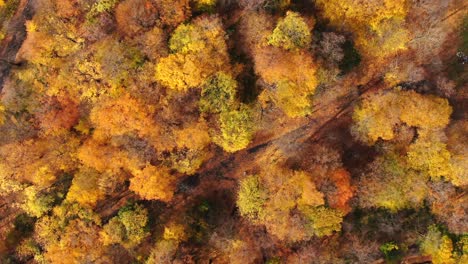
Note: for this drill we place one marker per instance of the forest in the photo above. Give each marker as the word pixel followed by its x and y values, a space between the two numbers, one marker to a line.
pixel 233 131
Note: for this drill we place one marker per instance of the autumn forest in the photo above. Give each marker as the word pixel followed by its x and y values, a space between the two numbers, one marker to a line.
pixel 233 131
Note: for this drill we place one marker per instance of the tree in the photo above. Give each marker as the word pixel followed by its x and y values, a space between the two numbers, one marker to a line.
pixel 322 220
pixel 438 245
pixel 288 204
pixel 38 161
pixel 191 148
pixel 251 197
pixel 236 129
pixel 85 189
pixel 121 116
pixel 127 228
pixel 218 94
pixel 58 115
pixel 2 114
pixel 378 25
pixel 205 5
pixel 449 204
pixel 292 78
pixel 70 235
pixel 291 33
pixel 194 46
pixel 172 13
pixel 388 183
pixel 378 114
pixel 153 183
pixel 36 202
pixel 291 99
pixel 431 158
pixel 134 16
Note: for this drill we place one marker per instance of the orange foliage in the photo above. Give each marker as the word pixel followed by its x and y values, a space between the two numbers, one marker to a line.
pixel 133 16
pixel 344 190
pixel 121 116
pixel 153 183
pixel 173 12
pixel 38 161
pixel 58 115
pixel 104 158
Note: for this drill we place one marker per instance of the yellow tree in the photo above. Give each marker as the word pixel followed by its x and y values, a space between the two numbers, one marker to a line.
pixel 378 25
pixel 199 52
pixel 85 189
pixel 377 115
pixel 292 75
pixel 192 147
pixel 272 197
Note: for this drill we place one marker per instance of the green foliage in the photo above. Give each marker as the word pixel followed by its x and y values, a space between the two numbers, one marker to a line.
pixel 205 5
pixel 7 9
pixel 100 6
pixel 36 203
pixel 390 184
pixel 351 58
pixel 128 227
pixel 438 245
pixel 390 250
pixel 218 94
pixel 186 38
pixel 236 129
pixel 291 33
pixel 323 221
pixel 251 197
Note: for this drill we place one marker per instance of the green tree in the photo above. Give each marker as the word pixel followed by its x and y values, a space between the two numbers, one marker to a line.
pixel 291 33
pixel 36 203
pixel 322 221
pixel 236 129
pixel 218 93
pixel 127 228
pixel 251 197
pixel 438 246
pixel 388 183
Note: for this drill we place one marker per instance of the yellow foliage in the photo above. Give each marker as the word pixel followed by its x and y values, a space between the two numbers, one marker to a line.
pixel 2 114
pixel 193 136
pixel 153 183
pixel 390 184
pixel 433 158
pixel 175 232
pixel 251 197
pixel 292 73
pixel 438 246
pixel 85 189
pixel 292 100
pixel 378 114
pixel 271 198
pixel 195 46
pixel 186 39
pixel 378 25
